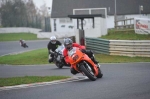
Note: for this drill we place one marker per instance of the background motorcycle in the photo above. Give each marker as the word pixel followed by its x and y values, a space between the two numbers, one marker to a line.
pixel 24 45
pixel 59 58
pixel 83 64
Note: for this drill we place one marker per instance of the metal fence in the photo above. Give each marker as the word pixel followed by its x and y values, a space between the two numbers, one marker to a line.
pixel 124 24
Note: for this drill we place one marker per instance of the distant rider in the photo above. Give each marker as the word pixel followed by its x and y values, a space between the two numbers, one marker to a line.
pixel 52 46
pixel 22 43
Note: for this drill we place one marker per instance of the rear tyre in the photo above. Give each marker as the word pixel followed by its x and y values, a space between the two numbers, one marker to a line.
pixel 88 73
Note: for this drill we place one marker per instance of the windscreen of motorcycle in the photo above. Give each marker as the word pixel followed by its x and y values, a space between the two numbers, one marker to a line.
pixel 60 49
pixel 72 52
pixel 75 55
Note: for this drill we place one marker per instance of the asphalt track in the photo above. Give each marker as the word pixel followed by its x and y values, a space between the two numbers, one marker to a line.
pixel 14 46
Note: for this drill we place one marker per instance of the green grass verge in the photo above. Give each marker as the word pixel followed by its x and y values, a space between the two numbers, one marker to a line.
pixel 125 35
pixel 41 57
pixel 102 58
pixel 18 36
pixel 28 79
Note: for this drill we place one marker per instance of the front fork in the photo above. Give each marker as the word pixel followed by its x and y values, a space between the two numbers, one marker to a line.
pixel 98 65
pixel 87 66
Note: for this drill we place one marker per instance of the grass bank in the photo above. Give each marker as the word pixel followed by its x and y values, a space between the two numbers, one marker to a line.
pixel 18 36
pixel 125 35
pixel 41 57
pixel 28 79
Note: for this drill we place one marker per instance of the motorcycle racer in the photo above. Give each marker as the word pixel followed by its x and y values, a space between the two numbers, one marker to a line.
pixel 68 43
pixel 52 46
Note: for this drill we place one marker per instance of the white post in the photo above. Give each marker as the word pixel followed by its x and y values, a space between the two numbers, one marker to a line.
pixel 115 7
pixel 140 9
pixel 115 17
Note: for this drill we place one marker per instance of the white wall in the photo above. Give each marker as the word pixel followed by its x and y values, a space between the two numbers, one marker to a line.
pixel 59 27
pixel 132 16
pixel 138 16
pixel 99 29
pixel 88 25
pixel 19 29
pixel 36 31
pixel 110 19
pixel 57 34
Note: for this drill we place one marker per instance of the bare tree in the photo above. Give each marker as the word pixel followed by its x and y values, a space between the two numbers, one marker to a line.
pixel 20 13
pixel 44 11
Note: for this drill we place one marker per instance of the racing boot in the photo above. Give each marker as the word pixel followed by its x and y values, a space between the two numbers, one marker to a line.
pixel 73 71
pixel 94 60
pixel 91 55
pixel 50 59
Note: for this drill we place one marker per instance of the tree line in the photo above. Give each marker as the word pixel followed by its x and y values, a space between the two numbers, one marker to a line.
pixel 21 13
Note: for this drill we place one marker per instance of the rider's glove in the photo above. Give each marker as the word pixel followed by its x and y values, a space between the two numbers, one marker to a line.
pixel 83 50
pixel 51 52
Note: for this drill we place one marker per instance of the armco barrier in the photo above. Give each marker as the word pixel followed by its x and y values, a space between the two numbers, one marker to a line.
pixel 130 48
pixel 97 45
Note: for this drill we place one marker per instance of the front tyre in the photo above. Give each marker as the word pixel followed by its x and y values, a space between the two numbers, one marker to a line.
pixel 100 75
pixel 88 73
pixel 59 65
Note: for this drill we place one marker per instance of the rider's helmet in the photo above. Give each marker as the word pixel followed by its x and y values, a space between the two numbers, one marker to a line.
pixel 53 39
pixel 21 40
pixel 68 43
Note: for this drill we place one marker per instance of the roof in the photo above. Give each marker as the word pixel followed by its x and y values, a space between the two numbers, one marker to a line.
pixel 84 16
pixel 63 8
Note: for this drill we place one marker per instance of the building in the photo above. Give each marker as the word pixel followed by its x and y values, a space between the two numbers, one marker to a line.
pixel 60 21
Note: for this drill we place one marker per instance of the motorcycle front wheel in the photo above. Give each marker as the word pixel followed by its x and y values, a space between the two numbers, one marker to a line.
pixel 88 73
pixel 100 75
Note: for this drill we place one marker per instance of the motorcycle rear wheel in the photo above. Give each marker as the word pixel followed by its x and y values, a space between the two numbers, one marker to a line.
pixel 87 73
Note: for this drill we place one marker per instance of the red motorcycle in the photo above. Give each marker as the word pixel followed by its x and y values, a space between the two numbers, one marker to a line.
pixel 83 64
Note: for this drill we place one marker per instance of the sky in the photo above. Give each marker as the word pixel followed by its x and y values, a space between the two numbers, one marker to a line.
pixel 39 3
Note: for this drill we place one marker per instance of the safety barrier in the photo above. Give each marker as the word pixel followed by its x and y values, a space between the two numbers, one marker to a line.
pixel 130 48
pixel 97 45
